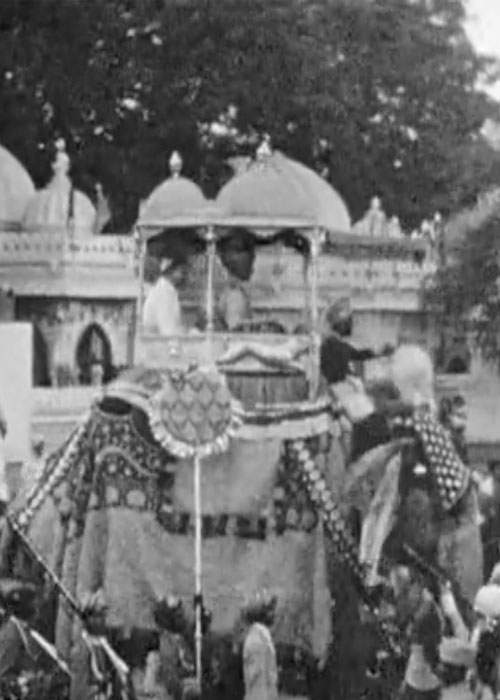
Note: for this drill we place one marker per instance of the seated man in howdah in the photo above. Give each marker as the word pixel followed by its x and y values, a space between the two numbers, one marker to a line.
pixel 162 311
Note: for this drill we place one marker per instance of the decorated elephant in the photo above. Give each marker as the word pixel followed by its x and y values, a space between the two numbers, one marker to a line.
pixel 113 510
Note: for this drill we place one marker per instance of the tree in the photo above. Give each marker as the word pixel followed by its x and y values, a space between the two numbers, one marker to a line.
pixel 465 292
pixel 379 95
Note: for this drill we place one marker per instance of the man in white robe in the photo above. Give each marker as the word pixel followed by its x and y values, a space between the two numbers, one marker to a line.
pixel 162 312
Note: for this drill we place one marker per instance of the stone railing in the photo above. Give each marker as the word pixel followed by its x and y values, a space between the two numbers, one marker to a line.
pixel 58 248
pixel 284 271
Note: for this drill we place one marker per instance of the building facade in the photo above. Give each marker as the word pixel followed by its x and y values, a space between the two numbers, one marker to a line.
pixel 80 289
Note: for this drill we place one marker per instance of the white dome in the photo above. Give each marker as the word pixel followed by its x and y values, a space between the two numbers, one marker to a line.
pixel 176 203
pixel 16 189
pixel 50 209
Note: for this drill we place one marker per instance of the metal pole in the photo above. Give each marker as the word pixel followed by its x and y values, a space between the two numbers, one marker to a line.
pixel 210 291
pixel 198 566
pixel 139 273
pixel 315 241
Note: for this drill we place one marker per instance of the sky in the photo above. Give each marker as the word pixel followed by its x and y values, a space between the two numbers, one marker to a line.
pixel 483 27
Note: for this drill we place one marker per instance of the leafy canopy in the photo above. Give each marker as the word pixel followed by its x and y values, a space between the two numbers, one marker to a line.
pixel 379 95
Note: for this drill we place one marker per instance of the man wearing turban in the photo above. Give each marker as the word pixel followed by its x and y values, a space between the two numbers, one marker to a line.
pixel 337 355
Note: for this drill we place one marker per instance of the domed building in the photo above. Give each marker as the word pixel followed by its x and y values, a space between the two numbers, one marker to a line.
pixel 59 207
pixel 16 191
pixel 82 291
pixel 78 289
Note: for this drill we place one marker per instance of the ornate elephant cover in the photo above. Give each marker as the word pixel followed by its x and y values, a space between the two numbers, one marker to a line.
pixel 114 508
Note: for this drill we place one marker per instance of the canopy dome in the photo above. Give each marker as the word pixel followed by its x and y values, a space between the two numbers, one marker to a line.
pixel 331 211
pixel 16 189
pixel 266 196
pixel 176 203
pixel 51 209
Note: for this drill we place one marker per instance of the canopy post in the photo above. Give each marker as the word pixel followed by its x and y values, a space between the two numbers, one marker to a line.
pixel 315 247
pixel 210 292
pixel 198 569
pixel 139 273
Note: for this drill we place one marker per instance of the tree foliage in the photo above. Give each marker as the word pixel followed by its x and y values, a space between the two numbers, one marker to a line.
pixel 465 292
pixel 379 95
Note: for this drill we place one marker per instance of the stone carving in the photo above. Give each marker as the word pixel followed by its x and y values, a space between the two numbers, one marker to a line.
pixel 376 223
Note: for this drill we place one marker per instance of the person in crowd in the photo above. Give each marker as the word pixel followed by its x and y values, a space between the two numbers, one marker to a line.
pixel 29 665
pixel 260 669
pixel 489 503
pixel 487 663
pixel 17 600
pixel 234 304
pixel 486 609
pixel 162 312
pixel 419 617
pixel 237 254
pixel 453 415
pixel 454 622
pixel 457 658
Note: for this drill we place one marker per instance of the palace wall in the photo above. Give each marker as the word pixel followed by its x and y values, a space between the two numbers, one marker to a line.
pixel 15 387
pixel 63 322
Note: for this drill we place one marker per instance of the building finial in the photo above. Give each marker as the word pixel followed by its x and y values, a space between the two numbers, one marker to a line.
pixel 175 164
pixel 265 150
pixel 61 163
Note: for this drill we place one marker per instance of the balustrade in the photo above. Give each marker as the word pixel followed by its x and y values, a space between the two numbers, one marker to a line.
pixel 49 248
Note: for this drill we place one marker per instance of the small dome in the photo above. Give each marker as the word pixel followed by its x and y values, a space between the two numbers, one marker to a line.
pixel 331 211
pixel 176 203
pixel 52 208
pixel 16 189
pixel 267 195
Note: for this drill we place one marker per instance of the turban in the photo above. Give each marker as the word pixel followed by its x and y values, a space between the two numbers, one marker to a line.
pixel 338 311
pixel 413 374
pixel 260 601
pixel 487 602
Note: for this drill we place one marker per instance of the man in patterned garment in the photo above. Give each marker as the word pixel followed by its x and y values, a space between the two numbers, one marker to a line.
pixel 454 502
pixel 453 415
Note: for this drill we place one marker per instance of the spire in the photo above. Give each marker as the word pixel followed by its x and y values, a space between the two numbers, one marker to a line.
pixel 175 164
pixel 61 163
pixel 265 150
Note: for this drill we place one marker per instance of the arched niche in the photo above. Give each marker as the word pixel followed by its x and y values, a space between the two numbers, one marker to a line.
pixel 41 365
pixel 94 358
pixel 457 365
